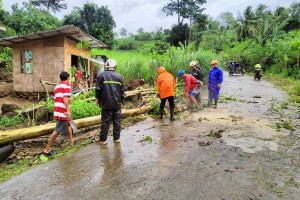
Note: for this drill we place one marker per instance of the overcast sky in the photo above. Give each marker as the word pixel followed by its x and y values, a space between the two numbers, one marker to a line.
pixel 134 14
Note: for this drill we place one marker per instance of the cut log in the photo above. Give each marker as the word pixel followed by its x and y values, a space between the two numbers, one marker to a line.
pixel 131 93
pixel 36 131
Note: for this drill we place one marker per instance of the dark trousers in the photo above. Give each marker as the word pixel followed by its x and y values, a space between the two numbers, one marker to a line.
pixel 170 100
pixel 108 115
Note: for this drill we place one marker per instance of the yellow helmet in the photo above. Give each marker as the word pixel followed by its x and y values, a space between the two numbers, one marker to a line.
pixel 214 62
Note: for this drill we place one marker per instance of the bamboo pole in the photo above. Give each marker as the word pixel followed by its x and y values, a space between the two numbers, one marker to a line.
pixel 10 136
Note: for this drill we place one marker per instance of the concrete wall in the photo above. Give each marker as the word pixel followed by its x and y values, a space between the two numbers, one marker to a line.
pixel 47 59
pixel 71 49
pixel 50 56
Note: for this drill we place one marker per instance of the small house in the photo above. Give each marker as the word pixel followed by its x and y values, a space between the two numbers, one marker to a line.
pixel 43 55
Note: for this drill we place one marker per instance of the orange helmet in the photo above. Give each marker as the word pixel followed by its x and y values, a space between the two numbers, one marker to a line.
pixel 214 62
pixel 161 69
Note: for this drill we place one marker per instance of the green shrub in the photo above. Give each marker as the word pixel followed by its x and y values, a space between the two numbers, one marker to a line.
pixel 16 120
pixel 80 108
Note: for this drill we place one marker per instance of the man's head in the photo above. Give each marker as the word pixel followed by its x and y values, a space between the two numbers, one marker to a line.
pixel 64 76
pixel 110 64
pixel 181 74
pixel 193 65
pixel 213 63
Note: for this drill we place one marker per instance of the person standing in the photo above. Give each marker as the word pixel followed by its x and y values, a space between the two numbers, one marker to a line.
pixel 110 96
pixel 191 88
pixel 166 89
pixel 62 114
pixel 215 79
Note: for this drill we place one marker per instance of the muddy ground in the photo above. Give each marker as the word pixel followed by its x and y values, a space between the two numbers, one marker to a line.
pixel 248 148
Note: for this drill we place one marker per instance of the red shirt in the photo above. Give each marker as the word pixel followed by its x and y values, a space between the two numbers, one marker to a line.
pixel 78 75
pixel 190 83
pixel 62 90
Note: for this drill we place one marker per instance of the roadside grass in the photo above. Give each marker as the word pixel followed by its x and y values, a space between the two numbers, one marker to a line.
pixel 289 85
pixel 142 65
pixel 14 121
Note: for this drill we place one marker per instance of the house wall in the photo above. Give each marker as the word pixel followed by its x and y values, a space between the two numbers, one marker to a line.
pixel 47 59
pixel 71 49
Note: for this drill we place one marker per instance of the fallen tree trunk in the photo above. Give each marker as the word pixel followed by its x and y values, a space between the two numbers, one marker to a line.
pixel 10 136
pixel 132 93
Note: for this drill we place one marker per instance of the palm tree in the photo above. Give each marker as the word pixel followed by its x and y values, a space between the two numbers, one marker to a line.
pixel 247 24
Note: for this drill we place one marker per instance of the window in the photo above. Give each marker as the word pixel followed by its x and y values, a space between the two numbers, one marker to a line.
pixel 26 62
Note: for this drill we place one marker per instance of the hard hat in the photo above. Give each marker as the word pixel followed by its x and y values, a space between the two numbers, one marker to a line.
pixel 111 63
pixel 193 63
pixel 161 70
pixel 180 72
pixel 214 62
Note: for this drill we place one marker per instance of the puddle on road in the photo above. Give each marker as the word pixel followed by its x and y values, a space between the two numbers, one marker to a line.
pixel 251 145
pixel 97 168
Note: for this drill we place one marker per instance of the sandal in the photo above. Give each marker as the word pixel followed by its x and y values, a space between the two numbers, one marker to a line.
pixel 50 153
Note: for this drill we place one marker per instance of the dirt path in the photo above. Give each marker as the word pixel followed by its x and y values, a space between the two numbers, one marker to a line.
pixel 257 157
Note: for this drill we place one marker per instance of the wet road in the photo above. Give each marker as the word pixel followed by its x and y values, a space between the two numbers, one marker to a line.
pixel 252 160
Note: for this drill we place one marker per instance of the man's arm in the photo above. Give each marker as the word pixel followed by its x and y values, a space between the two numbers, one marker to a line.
pixel 98 90
pixel 66 102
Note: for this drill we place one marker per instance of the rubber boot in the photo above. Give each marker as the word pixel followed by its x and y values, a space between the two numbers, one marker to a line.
pixel 216 103
pixel 161 113
pixel 209 103
pixel 172 114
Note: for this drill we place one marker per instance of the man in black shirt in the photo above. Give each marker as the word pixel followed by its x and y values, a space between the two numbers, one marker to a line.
pixel 198 74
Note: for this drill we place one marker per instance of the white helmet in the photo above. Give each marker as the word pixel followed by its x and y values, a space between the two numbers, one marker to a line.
pixel 193 63
pixel 111 63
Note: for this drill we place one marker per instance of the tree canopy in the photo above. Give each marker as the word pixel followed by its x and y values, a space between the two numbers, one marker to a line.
pixel 96 21
pixel 54 5
pixel 29 19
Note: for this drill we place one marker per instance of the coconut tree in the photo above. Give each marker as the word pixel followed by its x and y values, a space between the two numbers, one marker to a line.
pixel 246 24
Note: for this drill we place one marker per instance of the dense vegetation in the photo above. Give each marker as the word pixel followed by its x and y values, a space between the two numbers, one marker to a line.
pixel 256 35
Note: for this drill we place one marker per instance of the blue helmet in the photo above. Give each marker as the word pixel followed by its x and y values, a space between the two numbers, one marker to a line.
pixel 180 73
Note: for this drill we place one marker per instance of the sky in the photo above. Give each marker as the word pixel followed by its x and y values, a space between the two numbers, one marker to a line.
pixel 147 14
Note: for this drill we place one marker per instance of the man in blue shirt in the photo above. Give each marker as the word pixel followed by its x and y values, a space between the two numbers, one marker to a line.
pixel 215 79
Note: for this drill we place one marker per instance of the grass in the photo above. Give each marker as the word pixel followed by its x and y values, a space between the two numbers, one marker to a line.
pixel 138 65
pixel 14 121
pixel 289 85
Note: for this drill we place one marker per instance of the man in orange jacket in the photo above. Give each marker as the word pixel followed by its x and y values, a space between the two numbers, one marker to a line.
pixel 166 88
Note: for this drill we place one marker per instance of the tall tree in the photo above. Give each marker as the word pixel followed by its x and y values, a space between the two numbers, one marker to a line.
pixel 185 9
pixel 178 35
pixel 227 20
pixel 140 30
pixel 123 32
pixel 294 22
pixel 54 5
pixel 94 20
pixel 3 13
pixel 28 19
pixel 246 24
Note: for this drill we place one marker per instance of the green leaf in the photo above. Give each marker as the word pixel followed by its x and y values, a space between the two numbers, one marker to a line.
pixel 44 158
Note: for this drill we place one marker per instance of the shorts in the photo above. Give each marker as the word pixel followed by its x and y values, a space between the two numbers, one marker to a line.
pixel 62 126
pixel 194 92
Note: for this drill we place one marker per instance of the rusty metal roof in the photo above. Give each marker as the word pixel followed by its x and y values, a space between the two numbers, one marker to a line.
pixel 67 30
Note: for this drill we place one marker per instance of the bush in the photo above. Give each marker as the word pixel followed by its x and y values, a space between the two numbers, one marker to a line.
pixel 16 120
